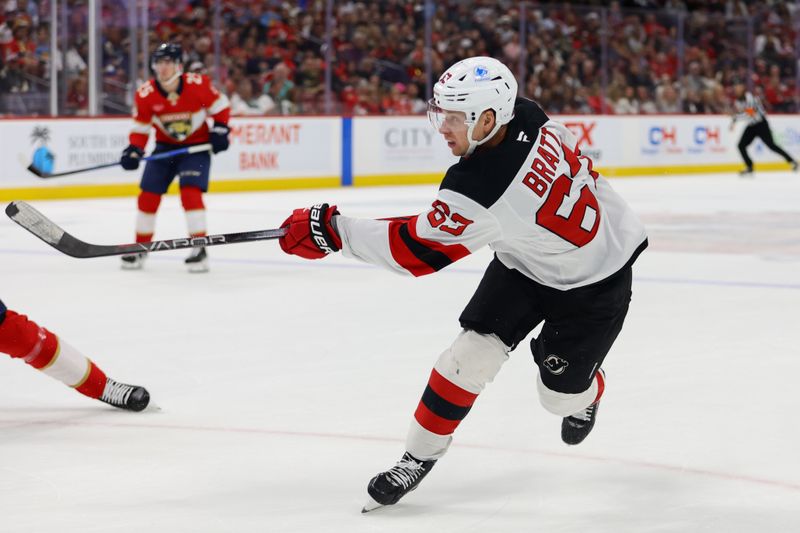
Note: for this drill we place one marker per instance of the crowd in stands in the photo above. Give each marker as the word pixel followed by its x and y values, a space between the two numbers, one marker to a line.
pixel 618 57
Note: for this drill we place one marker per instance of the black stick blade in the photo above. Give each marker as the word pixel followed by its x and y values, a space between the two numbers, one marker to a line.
pixel 38 172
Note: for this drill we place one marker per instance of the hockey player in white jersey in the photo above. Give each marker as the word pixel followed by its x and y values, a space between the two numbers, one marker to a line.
pixel 564 244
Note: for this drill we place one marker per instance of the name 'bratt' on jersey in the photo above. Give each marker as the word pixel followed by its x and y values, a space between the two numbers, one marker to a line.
pixel 570 209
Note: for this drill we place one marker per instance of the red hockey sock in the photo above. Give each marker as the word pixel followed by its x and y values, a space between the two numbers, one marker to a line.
pixel 192 201
pixel 24 339
pixel 443 405
pixel 192 198
pixel 148 203
pixel 94 383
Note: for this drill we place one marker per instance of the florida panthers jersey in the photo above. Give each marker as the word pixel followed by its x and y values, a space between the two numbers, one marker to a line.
pixel 179 117
pixel 533 198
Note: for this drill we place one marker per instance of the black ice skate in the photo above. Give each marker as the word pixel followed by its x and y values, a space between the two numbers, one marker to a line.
pixel 129 397
pixel 577 427
pixel 197 260
pixel 794 166
pixel 133 261
pixel 746 173
pixel 388 487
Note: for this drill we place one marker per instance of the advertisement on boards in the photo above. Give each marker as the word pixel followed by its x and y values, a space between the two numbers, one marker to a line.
pixel 398 145
pixel 261 148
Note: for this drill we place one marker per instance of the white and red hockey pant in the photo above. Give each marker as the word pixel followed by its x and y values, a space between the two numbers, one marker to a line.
pixel 458 377
pixel 565 404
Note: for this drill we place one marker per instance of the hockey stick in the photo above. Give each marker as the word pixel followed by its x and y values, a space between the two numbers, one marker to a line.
pixel 153 157
pixel 44 228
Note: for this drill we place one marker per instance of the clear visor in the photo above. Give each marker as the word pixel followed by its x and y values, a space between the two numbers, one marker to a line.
pixel 439 117
pixel 163 61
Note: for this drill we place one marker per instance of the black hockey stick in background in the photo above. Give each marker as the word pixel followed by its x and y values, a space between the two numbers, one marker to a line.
pixel 153 157
pixel 47 230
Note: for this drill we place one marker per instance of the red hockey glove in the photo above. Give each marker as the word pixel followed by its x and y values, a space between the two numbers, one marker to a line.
pixel 309 232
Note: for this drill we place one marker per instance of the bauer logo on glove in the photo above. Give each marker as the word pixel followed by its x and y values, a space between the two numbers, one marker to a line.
pixel 310 232
pixel 321 237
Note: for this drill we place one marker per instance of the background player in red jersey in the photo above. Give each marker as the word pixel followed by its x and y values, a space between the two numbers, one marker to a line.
pixel 564 244
pixel 178 104
pixel 24 339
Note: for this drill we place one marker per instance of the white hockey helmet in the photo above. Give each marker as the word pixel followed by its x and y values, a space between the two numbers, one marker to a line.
pixel 474 85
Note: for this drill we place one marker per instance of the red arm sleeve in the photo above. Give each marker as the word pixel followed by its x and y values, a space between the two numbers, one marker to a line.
pixel 142 115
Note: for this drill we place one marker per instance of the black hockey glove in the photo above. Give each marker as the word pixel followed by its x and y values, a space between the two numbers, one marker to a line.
pixel 131 157
pixel 219 137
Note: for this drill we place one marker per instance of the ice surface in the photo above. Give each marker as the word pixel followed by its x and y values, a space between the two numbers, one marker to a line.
pixel 284 385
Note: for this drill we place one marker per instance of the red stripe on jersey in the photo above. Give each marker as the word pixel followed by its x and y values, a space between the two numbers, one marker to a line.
pixel 434 423
pixel 592 172
pixel 453 251
pixel 94 384
pixel 402 254
pixel 572 159
pixel 429 256
pixel 397 219
pixel 450 391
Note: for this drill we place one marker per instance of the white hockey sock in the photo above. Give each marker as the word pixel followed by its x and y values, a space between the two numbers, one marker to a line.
pixel 196 222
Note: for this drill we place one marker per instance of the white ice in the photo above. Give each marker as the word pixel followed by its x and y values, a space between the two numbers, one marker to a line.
pixel 284 385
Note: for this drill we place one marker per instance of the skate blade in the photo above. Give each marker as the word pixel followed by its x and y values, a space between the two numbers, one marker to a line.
pixel 198 268
pixel 151 407
pixel 128 266
pixel 371 505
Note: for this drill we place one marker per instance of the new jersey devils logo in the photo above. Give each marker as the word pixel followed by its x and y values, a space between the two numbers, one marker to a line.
pixel 555 364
